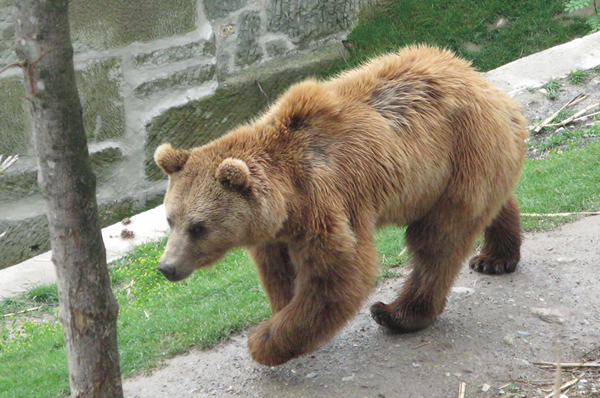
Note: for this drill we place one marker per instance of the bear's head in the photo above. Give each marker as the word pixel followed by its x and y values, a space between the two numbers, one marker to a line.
pixel 213 204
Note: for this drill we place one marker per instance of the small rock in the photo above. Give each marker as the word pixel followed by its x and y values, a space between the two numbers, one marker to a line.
pixel 467 291
pixel 523 334
pixel 509 339
pixel 549 315
pixel 565 259
pixel 126 221
pixel 127 234
pixel 485 387
pixel 349 378
pixel 311 375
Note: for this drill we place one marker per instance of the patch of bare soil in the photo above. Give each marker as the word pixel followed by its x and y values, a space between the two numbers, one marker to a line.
pixel 491 341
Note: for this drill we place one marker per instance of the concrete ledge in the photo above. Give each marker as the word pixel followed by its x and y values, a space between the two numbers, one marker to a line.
pixel 147 226
pixel 537 69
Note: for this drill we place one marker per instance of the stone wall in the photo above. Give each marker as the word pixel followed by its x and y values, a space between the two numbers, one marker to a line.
pixel 152 71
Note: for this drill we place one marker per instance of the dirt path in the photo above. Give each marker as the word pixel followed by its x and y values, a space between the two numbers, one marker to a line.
pixel 488 337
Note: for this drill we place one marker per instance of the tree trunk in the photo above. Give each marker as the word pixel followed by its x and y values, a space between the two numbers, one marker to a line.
pixel 88 309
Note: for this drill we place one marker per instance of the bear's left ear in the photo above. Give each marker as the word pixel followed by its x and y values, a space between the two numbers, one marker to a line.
pixel 170 160
pixel 234 173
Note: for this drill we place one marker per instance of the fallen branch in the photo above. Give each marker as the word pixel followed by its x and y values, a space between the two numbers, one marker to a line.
pixel 579 213
pixel 20 64
pixel 579 114
pixel 549 119
pixel 421 345
pixel 22 311
pixel 569 365
pixel 6 163
pixel 564 387
pixel 577 119
pixel 461 389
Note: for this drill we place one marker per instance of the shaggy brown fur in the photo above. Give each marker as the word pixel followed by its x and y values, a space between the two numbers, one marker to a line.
pixel 415 138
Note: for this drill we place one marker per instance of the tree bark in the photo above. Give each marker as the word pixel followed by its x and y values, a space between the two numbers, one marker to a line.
pixel 88 309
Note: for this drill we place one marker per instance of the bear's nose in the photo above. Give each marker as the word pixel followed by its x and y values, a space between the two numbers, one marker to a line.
pixel 167 270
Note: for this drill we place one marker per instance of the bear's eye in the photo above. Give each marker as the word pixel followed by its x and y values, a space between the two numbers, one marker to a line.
pixel 197 230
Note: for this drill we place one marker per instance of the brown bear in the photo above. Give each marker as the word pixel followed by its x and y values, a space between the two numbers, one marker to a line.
pixel 416 138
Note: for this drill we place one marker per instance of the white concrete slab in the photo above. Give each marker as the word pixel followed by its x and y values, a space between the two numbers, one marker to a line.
pixel 537 69
pixel 147 226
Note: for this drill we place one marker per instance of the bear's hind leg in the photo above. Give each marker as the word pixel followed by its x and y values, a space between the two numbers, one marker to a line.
pixel 501 250
pixel 276 273
pixel 439 244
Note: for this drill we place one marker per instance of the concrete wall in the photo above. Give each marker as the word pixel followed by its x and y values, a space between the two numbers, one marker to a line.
pixel 152 71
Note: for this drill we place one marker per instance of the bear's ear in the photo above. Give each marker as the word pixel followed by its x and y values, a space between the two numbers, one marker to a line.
pixel 234 173
pixel 169 159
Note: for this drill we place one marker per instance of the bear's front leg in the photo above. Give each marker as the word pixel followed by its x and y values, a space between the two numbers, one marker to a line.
pixel 330 287
pixel 276 273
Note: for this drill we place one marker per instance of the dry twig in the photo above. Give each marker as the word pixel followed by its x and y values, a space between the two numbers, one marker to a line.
pixel 568 365
pixel 22 311
pixel 564 387
pixel 549 119
pixel 578 213
pixel 461 389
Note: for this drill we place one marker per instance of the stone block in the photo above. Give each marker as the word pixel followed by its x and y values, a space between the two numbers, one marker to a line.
pixel 7 33
pixel 15 119
pixel 276 48
pixel 166 56
pixel 310 20
pixel 99 85
pixel 107 24
pixel 190 77
pixel 14 186
pixel 248 49
pixel 215 9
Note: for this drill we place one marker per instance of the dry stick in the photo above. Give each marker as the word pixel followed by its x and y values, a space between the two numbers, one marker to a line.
pixel 566 365
pixel 421 345
pixel 549 119
pixel 579 213
pixel 577 119
pixel 557 380
pixel 565 386
pixel 578 114
pixel 461 389
pixel 21 64
pixel 262 91
pixel 22 311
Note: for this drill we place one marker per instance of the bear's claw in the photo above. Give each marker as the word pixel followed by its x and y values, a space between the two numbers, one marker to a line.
pixel 488 265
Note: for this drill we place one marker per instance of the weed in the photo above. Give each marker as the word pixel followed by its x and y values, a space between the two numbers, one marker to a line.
pixel 577 76
pixel 552 89
pixel 43 294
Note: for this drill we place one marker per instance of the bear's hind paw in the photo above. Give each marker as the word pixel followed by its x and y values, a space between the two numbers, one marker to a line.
pixel 489 265
pixel 385 316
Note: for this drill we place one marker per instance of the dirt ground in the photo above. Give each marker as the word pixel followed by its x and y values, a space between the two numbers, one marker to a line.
pixel 491 336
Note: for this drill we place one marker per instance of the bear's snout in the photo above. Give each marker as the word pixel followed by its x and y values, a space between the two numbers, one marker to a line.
pixel 168 271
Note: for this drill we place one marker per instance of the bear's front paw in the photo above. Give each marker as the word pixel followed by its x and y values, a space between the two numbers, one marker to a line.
pixel 489 265
pixel 267 347
pixel 397 320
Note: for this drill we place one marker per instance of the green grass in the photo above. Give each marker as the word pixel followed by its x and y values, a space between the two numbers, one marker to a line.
pixel 552 89
pixel 466 27
pixel 565 182
pixel 577 76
